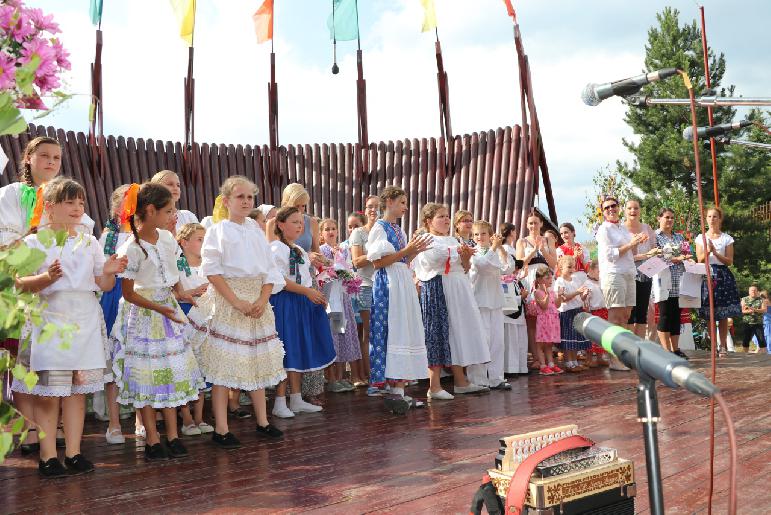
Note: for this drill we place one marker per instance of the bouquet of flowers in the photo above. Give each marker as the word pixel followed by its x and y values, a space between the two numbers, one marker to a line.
pixel 31 59
pixel 670 250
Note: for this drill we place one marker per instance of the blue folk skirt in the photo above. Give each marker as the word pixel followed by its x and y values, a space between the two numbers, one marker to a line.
pixel 570 339
pixel 726 294
pixel 303 327
pixel 436 324
pixel 109 303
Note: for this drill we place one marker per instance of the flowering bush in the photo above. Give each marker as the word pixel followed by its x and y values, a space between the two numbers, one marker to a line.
pixel 31 60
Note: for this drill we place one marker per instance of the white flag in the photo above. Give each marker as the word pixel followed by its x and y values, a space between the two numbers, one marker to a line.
pixel 3 160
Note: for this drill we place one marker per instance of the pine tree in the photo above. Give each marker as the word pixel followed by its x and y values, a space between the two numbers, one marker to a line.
pixel 663 158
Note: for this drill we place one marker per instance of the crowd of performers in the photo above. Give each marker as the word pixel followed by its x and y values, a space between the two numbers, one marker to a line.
pixel 165 308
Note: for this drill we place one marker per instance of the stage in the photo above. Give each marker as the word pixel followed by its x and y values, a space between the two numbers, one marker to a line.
pixel 355 458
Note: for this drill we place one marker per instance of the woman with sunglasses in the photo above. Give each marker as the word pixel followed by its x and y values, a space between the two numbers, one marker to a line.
pixel 616 248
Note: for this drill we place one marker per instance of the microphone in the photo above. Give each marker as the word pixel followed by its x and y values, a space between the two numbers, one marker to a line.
pixel 717 130
pixel 644 356
pixel 593 94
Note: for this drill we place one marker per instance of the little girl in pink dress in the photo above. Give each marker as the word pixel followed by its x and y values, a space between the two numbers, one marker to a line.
pixel 547 328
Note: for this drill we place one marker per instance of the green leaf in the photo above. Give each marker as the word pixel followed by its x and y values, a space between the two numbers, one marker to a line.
pixel 25 75
pixel 41 434
pixel 33 262
pixel 48 331
pixel 18 425
pixel 11 120
pixel 19 371
pixel 30 380
pixel 18 255
pixel 6 413
pixel 46 237
pixel 6 440
pixel 61 238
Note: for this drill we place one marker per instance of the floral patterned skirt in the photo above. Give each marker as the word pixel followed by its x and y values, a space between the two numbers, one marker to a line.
pixel 235 350
pixel 153 366
pixel 726 294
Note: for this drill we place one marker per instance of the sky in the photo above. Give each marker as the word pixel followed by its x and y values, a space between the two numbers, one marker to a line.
pixel 569 44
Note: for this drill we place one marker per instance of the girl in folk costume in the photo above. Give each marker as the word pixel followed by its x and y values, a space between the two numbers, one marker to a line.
pixel 461 224
pixel 571 292
pixel 547 332
pixel 190 238
pixel 154 369
pixel 171 181
pixel 452 326
pixel 301 319
pixel 397 342
pixel 347 345
pixel 488 264
pixel 233 326
pixel 594 303
pixel 514 326
pixel 21 203
pixel 571 247
pixel 67 281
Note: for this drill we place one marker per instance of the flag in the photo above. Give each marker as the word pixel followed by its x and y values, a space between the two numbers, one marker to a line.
pixel 184 10
pixel 510 9
pixel 263 22
pixel 96 11
pixel 3 160
pixel 346 22
pixel 429 20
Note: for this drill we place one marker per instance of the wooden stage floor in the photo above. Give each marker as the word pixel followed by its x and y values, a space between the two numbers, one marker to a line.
pixel 355 458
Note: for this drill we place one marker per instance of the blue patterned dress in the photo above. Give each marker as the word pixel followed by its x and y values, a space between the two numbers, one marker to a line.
pixel 397 341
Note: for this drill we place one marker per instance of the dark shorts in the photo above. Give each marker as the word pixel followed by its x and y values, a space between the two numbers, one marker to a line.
pixel 639 314
pixel 669 316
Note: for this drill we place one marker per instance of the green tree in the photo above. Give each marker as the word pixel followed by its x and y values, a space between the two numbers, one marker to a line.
pixel 663 158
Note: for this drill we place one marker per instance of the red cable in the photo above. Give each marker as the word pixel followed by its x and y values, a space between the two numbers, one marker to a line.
pixel 729 424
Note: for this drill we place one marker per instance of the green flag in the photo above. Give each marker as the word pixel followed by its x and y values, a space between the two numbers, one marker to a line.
pixel 96 11
pixel 346 21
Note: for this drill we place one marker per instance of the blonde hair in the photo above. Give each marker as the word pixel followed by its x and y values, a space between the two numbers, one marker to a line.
pixel 542 272
pixel 234 180
pixel 293 194
pixel 25 170
pixel 188 230
pixel 483 224
pixel 116 199
pixel 429 211
pixel 565 259
pixel 457 217
pixel 159 176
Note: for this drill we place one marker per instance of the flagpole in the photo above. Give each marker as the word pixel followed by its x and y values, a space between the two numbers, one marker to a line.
pixel 361 98
pixel 273 168
pixel 189 168
pixel 445 124
pixel 96 120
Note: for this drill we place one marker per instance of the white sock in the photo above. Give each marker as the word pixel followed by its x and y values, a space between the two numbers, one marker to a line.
pixel 551 364
pixel 295 398
pixel 280 402
pixel 397 391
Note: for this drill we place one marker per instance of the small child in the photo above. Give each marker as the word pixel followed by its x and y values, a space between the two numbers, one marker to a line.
pixel 259 217
pixel 514 325
pixel 346 342
pixel 488 264
pixel 170 180
pixel 571 293
pixel 67 369
pixel 190 238
pixel 594 302
pixel 547 327
pixel 154 369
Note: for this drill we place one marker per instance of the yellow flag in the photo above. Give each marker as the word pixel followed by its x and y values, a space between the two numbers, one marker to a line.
pixel 184 10
pixel 429 20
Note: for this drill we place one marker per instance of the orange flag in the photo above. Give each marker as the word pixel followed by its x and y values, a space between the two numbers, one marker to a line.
pixel 263 22
pixel 510 9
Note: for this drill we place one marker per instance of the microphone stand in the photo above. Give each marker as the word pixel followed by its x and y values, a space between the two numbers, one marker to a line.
pixel 648 414
pixel 753 144
pixel 708 101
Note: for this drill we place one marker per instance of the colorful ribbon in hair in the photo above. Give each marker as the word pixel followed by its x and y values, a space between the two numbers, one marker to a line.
pixel 32 203
pixel 129 205
pixel 184 266
pixel 111 238
pixel 219 212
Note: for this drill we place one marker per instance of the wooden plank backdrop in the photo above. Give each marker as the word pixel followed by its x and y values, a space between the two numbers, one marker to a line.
pixel 487 176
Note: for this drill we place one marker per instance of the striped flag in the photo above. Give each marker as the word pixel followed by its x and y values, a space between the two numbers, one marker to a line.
pixel 263 22
pixel 184 10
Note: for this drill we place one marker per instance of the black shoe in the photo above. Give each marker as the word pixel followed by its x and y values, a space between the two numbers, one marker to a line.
pixel 239 413
pixel 681 354
pixel 29 448
pixel 52 468
pixel 176 449
pixel 226 441
pixel 270 431
pixel 78 464
pixel 396 404
pixel 156 452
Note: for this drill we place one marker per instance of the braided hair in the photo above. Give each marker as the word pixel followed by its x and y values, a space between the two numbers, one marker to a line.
pixel 25 170
pixel 150 194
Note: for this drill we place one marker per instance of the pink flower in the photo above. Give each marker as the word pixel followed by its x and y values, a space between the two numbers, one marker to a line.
pixel 39 47
pixel 42 22
pixel 7 17
pixel 7 71
pixel 61 54
pixel 22 28
pixel 31 102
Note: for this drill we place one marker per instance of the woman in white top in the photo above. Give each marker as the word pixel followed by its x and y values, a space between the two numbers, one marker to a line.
pixel 638 320
pixel 615 253
pixel 489 262
pixel 720 252
pixel 233 324
pixel 171 181
pixel 452 327
pixel 68 368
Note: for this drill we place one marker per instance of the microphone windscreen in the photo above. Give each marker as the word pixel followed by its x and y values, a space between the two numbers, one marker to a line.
pixel 579 320
pixel 589 95
pixel 688 133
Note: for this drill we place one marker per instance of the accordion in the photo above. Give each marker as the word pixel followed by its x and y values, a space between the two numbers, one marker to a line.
pixel 588 480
